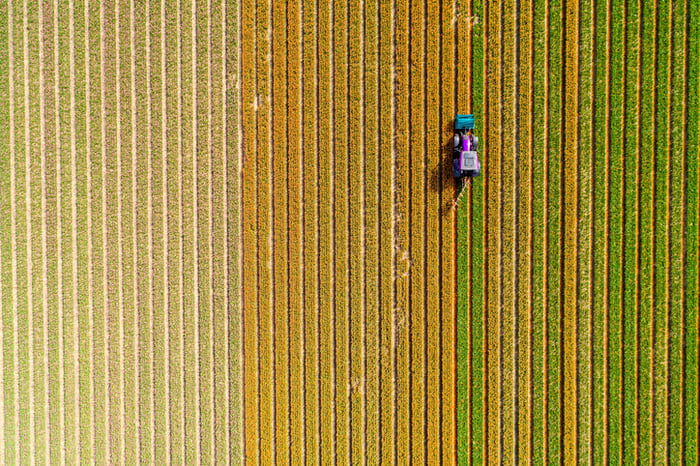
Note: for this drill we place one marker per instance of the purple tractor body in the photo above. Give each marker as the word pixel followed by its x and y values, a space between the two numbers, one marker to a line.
pixel 465 157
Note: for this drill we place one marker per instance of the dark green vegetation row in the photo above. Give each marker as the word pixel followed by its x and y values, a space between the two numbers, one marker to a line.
pixel 628 97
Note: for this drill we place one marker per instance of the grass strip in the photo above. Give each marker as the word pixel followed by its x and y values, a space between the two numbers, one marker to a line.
pixel 125 228
pixel 233 226
pixel 280 226
pixel 402 260
pixel 647 234
pixel 249 187
pixel 690 395
pixel 600 248
pixel 370 219
pixel 677 241
pixel 416 324
pixel 586 179
pixel 630 242
pixel 661 227
pixel 463 89
pixel 448 388
pixel 358 384
pixel 221 412
pixel 554 230
pixel 477 236
pixel 539 243
pixel 151 217
pixel 203 234
pixel 264 201
pixel 6 35
pixel 386 108
pixel 523 299
pixel 341 264
pixel 296 336
pixel 570 212
pixel 98 166
pixel 325 213
pixel 493 139
pixel 433 166
pixel 616 236
pixel 173 306
pixel 509 187
pixel 310 232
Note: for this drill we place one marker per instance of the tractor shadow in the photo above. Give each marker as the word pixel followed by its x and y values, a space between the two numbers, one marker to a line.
pixel 440 178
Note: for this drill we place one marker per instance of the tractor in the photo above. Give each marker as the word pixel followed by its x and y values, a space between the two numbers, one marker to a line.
pixel 465 164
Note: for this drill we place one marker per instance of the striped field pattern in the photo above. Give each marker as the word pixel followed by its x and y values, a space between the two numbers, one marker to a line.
pixel 120 237
pixel 578 251
pixel 227 232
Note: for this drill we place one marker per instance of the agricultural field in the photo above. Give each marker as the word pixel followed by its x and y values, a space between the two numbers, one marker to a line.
pixel 228 232
pixel 577 270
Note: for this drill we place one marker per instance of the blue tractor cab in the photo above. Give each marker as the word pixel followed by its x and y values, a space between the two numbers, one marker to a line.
pixel 465 162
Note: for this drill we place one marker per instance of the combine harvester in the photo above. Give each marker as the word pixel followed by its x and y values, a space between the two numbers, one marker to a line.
pixel 465 163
